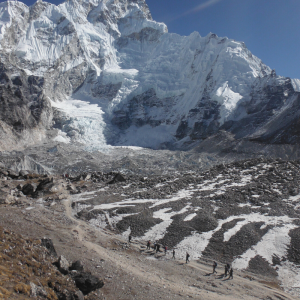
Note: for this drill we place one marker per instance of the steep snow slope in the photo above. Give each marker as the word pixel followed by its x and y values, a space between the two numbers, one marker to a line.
pixel 168 88
pixel 296 84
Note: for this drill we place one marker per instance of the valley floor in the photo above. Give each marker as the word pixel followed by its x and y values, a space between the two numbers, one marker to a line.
pixel 132 272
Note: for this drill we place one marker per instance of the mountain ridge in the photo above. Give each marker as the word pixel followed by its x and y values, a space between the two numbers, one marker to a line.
pixel 151 88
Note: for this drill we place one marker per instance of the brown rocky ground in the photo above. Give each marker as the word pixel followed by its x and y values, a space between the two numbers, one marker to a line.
pixel 129 272
pixel 26 270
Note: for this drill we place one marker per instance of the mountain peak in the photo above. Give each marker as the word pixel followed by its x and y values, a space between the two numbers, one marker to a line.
pixel 139 80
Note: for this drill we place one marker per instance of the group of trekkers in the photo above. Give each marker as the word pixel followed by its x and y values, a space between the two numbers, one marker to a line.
pixel 156 248
pixel 228 270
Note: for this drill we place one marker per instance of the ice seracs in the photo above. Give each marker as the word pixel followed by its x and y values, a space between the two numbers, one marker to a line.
pixel 174 89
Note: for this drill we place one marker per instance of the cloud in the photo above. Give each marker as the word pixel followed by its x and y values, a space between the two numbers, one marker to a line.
pixel 198 8
pixel 201 6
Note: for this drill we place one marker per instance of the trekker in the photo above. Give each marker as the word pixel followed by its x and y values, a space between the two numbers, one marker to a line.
pixel 231 274
pixel 166 248
pixel 187 258
pixel 226 271
pixel 148 245
pixel 129 238
pixel 214 267
pixel 173 257
pixel 154 247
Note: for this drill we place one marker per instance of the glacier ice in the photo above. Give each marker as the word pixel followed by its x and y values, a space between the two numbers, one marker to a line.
pixel 116 47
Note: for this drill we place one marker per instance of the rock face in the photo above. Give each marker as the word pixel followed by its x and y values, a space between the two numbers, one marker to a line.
pixel 145 87
pixel 24 109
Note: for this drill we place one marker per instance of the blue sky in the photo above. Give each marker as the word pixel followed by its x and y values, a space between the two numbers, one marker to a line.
pixel 269 28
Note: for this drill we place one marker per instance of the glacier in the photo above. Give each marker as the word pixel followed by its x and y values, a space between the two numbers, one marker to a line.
pixel 141 86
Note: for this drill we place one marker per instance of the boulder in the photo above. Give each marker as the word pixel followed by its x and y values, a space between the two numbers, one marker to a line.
pixel 71 187
pixel 48 244
pixel 45 184
pixel 77 266
pixel 10 199
pixel 78 178
pixel 12 174
pixel 23 173
pixel 63 265
pixel 7 199
pixel 28 189
pixel 67 294
pixel 87 176
pixel 19 187
pixel 87 282
pixel 78 295
pixel 294 191
pixel 37 291
pixel 2 171
pixel 19 194
pixel 118 178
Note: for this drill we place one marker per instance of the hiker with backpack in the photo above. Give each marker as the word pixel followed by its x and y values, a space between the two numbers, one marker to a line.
pixel 214 267
pixel 187 256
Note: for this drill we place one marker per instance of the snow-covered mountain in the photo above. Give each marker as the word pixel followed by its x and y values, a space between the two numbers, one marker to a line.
pixel 114 76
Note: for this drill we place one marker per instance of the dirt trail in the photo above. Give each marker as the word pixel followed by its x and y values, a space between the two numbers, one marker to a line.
pixel 174 276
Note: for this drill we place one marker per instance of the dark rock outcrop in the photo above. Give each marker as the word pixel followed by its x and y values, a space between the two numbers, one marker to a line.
pixel 77 266
pixel 23 105
pixel 118 178
pixel 48 244
pixel 28 189
pixel 87 282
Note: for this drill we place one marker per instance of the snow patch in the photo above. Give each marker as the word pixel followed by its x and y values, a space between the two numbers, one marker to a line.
pixel 190 217
pixel 274 242
pixel 228 100
pixel 197 242
pixel 158 231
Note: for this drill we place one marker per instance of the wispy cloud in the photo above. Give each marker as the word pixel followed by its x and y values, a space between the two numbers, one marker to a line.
pixel 201 6
pixel 198 8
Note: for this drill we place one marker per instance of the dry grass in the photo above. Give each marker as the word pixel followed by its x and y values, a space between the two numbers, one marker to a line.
pixel 22 288
pixel 4 293
pixel 23 261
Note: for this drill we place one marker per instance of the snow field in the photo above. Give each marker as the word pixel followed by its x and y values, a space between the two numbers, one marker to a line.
pixel 169 64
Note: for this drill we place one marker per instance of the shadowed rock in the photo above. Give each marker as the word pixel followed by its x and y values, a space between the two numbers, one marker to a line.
pixel 118 178
pixel 48 244
pixel 77 266
pixel 87 282
pixel 28 189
